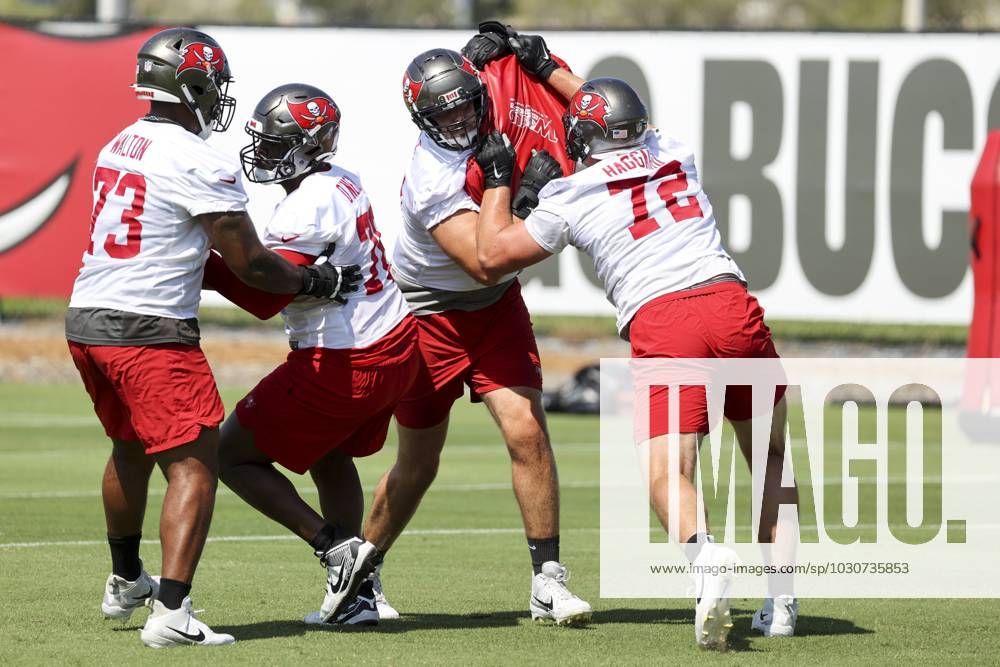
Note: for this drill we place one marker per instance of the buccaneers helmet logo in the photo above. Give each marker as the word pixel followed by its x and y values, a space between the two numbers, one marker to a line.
pixel 411 89
pixel 202 56
pixel 592 107
pixel 469 67
pixel 313 113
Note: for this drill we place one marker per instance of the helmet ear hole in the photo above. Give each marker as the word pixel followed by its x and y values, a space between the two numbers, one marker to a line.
pixel 198 89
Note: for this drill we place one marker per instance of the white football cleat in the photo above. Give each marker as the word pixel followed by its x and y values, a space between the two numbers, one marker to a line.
pixel 166 628
pixel 552 601
pixel 122 597
pixel 348 565
pixel 778 616
pixel 712 618
pixel 386 612
pixel 361 611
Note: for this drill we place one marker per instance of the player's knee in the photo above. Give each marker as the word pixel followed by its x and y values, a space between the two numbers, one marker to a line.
pixel 527 441
pixel 196 459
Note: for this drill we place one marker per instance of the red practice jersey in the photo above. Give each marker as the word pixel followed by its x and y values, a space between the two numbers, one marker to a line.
pixel 528 111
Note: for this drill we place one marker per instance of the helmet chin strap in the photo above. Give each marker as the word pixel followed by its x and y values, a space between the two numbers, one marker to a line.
pixel 206 129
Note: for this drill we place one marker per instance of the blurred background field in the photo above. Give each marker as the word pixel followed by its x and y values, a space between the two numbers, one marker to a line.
pixel 596 14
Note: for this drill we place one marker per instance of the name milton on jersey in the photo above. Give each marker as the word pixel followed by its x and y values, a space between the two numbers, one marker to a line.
pixel 130 146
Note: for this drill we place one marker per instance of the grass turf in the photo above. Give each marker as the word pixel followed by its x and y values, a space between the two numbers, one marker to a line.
pixel 463 595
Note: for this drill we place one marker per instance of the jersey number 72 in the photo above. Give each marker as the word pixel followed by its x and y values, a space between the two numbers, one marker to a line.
pixel 672 180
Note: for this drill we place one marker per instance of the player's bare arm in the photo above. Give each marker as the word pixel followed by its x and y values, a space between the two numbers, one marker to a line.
pixel 233 235
pixel 534 56
pixel 565 82
pixel 496 40
pixel 503 246
pixel 457 237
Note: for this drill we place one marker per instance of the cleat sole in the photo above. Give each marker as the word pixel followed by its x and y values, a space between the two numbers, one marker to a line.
pixel 574 621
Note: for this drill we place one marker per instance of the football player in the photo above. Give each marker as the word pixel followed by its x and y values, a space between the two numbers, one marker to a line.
pixel 637 208
pixel 350 362
pixel 474 329
pixel 162 196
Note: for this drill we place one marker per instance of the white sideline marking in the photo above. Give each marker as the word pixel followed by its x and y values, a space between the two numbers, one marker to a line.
pixel 308 490
pixel 989 478
pixel 417 532
pixel 283 538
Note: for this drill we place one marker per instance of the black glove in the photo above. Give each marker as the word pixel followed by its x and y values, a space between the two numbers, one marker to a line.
pixel 483 48
pixel 533 55
pixel 541 169
pixel 491 43
pixel 495 157
pixel 330 282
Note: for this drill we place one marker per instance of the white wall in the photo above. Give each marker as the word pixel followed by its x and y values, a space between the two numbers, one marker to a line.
pixel 363 69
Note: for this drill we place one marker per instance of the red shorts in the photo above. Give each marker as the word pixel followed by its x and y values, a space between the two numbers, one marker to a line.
pixel 322 399
pixel 161 395
pixel 487 349
pixel 716 321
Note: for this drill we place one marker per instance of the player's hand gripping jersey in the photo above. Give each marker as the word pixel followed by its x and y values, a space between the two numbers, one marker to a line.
pixel 147 253
pixel 439 182
pixel 529 112
pixel 642 217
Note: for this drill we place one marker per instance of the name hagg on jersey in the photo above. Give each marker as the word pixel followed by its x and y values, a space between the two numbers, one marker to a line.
pixel 526 116
pixel 638 159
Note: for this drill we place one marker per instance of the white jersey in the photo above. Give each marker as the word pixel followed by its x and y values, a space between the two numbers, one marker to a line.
pixel 147 254
pixel 433 190
pixel 642 217
pixel 330 207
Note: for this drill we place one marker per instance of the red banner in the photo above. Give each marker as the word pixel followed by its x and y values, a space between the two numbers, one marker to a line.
pixel 63 99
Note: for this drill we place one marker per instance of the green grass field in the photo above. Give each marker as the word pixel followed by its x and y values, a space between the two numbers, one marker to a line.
pixel 460 576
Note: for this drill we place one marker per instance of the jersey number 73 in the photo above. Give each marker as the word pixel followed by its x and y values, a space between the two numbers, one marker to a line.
pixel 106 179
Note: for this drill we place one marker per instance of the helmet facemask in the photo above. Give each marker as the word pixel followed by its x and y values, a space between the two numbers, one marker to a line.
pixel 454 125
pixel 272 158
pixel 225 108
pixel 576 145
pixel 214 112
